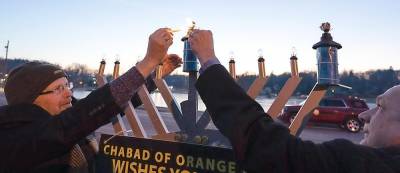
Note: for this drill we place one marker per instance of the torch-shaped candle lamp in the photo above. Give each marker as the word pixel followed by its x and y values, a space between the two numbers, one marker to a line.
pixel 102 67
pixel 116 69
pixel 259 83
pixel 327 57
pixel 261 65
pixel 293 64
pixel 327 76
pixel 100 79
pixel 189 59
pixel 232 68
pixel 287 89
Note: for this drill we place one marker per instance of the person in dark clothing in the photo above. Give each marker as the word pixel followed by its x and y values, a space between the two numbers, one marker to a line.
pixel 262 145
pixel 39 126
pixel 83 155
pixel 382 122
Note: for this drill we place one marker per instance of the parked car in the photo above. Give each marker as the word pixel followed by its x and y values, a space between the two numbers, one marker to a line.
pixel 342 111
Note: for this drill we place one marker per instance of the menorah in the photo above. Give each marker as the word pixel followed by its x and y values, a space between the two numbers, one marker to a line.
pixel 193 128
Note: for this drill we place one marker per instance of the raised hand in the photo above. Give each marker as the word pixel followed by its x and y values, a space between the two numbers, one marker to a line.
pixel 157 48
pixel 159 43
pixel 201 42
pixel 170 63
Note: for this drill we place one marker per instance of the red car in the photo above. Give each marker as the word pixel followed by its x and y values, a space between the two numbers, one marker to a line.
pixel 342 111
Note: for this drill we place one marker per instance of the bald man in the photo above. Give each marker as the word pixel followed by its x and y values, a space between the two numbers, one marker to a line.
pixel 382 123
pixel 262 145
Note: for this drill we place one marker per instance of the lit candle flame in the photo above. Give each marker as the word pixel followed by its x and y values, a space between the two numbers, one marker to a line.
pixel 231 55
pixel 260 53
pixel 190 25
pixel 117 57
pixel 294 51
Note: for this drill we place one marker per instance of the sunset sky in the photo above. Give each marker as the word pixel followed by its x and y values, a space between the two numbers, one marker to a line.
pixel 85 31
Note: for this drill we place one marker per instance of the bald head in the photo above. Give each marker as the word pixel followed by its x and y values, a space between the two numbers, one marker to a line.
pixel 382 123
pixel 390 101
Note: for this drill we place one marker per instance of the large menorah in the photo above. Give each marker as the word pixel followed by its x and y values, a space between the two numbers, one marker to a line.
pixel 193 127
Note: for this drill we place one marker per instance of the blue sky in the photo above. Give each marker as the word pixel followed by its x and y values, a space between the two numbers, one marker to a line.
pixel 84 31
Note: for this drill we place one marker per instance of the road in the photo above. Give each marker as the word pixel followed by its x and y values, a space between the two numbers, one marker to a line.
pixel 316 134
pixel 320 134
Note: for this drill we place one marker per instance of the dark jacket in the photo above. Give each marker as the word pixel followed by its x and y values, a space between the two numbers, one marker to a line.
pixel 30 136
pixel 261 145
pixel 27 117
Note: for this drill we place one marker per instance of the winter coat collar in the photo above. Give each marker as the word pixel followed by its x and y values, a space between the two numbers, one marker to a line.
pixel 15 115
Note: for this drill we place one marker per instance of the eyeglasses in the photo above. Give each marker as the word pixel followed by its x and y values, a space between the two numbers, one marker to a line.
pixel 58 90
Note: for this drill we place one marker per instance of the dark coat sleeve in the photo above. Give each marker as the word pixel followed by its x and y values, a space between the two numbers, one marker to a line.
pixel 261 145
pixel 53 136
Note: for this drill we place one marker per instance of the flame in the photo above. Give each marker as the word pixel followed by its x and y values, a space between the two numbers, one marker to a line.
pixel 190 26
pixel 260 53
pixel 117 58
pixel 231 55
pixel 190 23
pixel 294 51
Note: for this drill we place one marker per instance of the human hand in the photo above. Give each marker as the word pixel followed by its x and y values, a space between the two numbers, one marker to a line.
pixel 157 48
pixel 170 63
pixel 158 45
pixel 201 42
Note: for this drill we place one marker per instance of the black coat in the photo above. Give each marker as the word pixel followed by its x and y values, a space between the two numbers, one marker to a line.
pixel 30 136
pixel 261 145
pixel 26 124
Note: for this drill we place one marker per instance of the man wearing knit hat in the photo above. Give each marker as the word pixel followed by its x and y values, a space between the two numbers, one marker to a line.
pixel 34 82
pixel 40 129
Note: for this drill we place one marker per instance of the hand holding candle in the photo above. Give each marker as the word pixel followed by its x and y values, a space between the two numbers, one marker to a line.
pixel 202 45
pixel 157 48
pixel 159 42
pixel 173 30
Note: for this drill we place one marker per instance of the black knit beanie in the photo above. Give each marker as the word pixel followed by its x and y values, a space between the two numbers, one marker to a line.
pixel 26 82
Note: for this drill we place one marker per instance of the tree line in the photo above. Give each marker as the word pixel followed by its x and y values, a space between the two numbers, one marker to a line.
pixel 364 84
